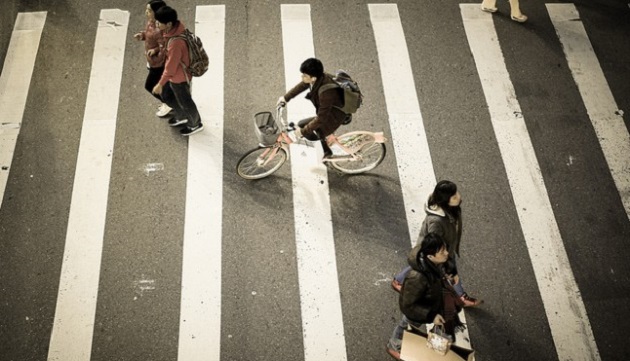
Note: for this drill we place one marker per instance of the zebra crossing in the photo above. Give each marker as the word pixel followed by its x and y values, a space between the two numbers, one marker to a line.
pixel 324 328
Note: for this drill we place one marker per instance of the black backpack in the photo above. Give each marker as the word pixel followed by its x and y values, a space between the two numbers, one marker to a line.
pixel 352 96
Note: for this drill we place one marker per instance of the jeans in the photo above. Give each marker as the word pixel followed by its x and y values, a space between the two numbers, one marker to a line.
pixel 152 79
pixel 178 97
pixel 316 136
pixel 395 342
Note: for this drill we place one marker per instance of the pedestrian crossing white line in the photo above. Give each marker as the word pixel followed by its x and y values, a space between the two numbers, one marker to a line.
pixel 415 168
pixel 568 321
pixel 598 99
pixel 78 287
pixel 323 327
pixel 200 315
pixel 15 81
pixel 322 320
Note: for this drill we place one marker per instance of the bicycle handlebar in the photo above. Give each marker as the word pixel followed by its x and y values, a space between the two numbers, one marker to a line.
pixel 280 117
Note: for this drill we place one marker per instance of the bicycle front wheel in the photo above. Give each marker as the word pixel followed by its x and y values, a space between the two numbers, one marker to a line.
pixel 261 162
pixel 368 157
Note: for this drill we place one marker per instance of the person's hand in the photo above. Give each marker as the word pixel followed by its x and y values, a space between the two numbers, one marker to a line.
pixel 456 279
pixel 298 133
pixel 137 36
pixel 157 89
pixel 281 102
pixel 438 320
pixel 151 52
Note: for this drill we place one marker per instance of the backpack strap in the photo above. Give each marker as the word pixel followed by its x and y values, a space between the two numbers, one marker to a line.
pixel 325 87
pixel 183 38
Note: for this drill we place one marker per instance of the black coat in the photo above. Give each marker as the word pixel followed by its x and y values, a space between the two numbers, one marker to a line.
pixel 329 116
pixel 421 298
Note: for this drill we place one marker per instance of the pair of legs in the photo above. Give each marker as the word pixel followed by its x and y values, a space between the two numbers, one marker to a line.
pixel 178 97
pixel 395 341
pixel 317 136
pixel 515 9
pixel 152 79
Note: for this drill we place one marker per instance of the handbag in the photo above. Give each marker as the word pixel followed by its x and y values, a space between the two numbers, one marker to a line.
pixel 438 340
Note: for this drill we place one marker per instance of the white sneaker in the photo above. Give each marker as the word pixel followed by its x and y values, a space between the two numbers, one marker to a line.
pixel 163 110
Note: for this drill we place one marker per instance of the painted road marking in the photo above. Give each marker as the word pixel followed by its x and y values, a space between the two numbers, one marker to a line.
pixel 322 320
pixel 415 168
pixel 15 81
pixel 598 99
pixel 200 316
pixel 78 286
pixel 570 327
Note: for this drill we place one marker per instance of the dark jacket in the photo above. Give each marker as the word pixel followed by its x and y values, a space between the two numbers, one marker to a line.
pixel 421 297
pixel 329 117
pixel 448 227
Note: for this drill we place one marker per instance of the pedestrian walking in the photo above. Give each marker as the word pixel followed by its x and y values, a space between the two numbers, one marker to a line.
pixel 444 218
pixel 174 85
pixel 426 295
pixel 154 52
pixel 490 6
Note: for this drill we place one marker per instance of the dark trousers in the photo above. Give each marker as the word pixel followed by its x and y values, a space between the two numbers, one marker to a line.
pixel 316 136
pixel 152 79
pixel 178 97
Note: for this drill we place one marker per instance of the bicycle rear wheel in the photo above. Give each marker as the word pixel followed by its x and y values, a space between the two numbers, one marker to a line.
pixel 369 156
pixel 261 162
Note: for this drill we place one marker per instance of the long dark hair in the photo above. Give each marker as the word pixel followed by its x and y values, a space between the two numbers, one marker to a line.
pixel 442 193
pixel 156 4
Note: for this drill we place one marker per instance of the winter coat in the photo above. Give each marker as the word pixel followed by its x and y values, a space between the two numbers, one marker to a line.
pixel 329 116
pixel 421 297
pixel 448 227
pixel 153 40
pixel 176 57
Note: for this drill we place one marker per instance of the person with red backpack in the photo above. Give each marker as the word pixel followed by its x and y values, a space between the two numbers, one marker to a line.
pixel 174 85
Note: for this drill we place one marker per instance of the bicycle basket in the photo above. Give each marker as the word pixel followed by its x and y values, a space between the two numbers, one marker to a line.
pixel 265 128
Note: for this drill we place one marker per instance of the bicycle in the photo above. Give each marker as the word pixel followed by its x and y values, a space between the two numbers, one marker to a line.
pixel 353 153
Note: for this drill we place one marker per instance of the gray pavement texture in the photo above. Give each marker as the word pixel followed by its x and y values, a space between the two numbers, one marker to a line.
pixel 145 215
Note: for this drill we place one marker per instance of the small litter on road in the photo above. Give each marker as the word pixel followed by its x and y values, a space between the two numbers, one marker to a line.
pixel 151 168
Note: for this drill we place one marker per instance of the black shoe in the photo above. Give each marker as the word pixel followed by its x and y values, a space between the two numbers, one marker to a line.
pixel 190 131
pixel 174 122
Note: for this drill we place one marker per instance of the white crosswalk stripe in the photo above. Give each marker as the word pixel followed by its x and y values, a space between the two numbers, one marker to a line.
pixel 565 310
pixel 200 316
pixel 327 332
pixel 14 84
pixel 78 288
pixel 322 321
pixel 598 99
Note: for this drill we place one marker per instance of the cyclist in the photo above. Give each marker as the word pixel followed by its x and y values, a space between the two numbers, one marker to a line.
pixel 327 101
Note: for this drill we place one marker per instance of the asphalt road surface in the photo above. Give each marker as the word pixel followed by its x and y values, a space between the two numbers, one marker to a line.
pixel 122 240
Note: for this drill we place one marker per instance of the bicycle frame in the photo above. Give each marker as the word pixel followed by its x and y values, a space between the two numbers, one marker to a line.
pixel 350 148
